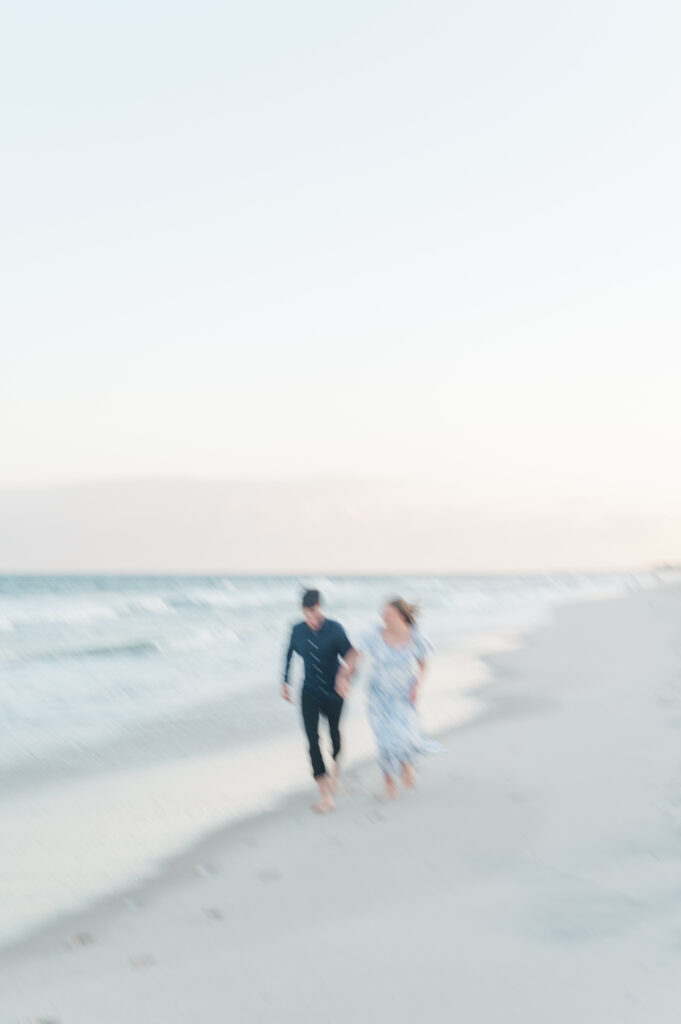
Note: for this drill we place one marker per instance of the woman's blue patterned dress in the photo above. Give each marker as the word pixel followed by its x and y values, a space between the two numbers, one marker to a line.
pixel 393 717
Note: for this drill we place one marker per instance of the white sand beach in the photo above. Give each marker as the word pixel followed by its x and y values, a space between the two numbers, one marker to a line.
pixel 532 877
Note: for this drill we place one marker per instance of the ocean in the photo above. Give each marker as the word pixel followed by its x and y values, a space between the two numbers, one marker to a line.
pixel 138 713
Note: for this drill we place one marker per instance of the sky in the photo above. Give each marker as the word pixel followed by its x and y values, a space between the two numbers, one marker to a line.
pixel 431 244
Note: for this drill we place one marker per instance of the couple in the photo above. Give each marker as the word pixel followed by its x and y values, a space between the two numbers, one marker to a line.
pixel 398 654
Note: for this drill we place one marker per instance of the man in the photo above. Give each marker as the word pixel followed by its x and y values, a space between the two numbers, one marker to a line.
pixel 321 643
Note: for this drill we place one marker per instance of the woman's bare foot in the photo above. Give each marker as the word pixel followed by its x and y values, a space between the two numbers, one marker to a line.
pixel 390 788
pixel 323 806
pixel 408 775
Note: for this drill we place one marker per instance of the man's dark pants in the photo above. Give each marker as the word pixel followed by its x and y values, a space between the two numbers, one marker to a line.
pixel 313 705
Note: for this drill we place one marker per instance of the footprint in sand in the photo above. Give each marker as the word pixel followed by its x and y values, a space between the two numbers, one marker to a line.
pixel 205 870
pixel 579 917
pixel 142 961
pixel 269 875
pixel 79 940
pixel 213 914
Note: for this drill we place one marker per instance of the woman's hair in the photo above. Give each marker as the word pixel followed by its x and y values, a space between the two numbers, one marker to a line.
pixel 409 612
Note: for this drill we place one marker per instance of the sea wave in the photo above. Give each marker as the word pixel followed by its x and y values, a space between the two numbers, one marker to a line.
pixel 57 614
pixel 146 603
pixel 233 598
pixel 201 639
pixel 134 648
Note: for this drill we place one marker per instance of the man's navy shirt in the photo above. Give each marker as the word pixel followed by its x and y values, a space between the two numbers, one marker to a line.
pixel 320 650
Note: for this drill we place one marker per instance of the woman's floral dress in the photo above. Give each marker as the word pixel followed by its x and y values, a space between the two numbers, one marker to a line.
pixel 393 717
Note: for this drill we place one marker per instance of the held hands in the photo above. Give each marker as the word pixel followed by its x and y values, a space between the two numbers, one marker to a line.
pixel 342 683
pixel 286 693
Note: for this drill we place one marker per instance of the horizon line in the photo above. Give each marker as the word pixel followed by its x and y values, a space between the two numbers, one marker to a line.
pixel 345 573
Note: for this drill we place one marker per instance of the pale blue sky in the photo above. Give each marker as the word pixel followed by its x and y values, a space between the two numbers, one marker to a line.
pixel 404 240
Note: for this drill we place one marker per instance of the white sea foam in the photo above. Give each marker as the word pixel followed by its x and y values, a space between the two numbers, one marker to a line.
pixel 200 639
pixel 56 613
pixel 147 603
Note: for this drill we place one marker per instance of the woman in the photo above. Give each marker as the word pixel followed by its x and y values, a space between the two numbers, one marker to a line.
pixel 398 652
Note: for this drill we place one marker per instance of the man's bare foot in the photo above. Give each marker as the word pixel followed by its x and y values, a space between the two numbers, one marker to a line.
pixel 408 776
pixel 334 779
pixel 390 788
pixel 325 802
